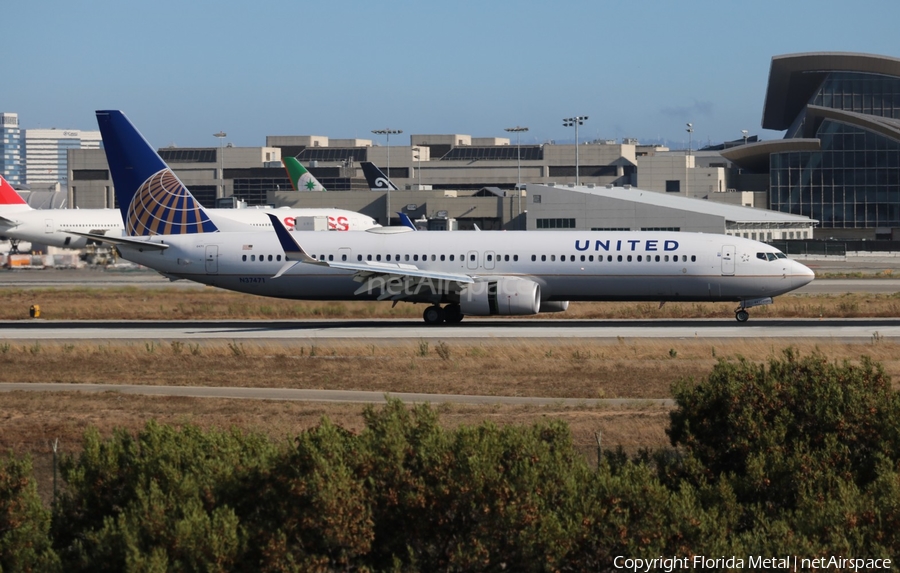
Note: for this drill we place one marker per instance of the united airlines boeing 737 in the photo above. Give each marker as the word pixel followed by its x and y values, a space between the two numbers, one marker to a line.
pixel 54 227
pixel 455 274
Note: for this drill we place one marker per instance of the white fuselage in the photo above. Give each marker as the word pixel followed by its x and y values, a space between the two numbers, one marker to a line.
pixel 568 265
pixel 51 226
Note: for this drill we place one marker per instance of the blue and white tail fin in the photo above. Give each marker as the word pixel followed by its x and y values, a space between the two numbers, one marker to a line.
pixel 376 179
pixel 406 221
pixel 152 199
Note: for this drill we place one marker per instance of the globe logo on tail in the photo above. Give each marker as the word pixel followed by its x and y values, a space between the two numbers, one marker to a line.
pixel 163 206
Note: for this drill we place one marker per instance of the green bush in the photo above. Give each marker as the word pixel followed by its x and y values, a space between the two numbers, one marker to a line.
pixel 24 523
pixel 808 447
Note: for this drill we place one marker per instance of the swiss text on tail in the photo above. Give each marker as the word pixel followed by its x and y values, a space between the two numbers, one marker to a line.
pixel 152 199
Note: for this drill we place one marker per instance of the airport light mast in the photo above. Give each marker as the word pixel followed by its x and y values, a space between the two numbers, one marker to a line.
pixel 417 155
pixel 518 130
pixel 221 137
pixel 687 173
pixel 387 133
pixel 576 121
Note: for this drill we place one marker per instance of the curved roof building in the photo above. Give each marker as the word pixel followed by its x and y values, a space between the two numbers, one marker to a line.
pixel 839 161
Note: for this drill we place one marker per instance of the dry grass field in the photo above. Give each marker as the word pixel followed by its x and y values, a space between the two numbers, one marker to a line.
pixel 134 303
pixel 634 368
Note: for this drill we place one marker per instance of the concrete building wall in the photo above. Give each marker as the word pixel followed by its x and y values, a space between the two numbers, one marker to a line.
pixel 589 154
pixel 490 141
pixel 297 140
pixel 96 192
pixel 654 171
pixel 451 139
pixel 350 143
pixel 596 212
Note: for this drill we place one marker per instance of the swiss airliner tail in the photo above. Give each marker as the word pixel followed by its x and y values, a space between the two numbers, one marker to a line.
pixel 301 179
pixel 377 180
pixel 152 198
pixel 9 196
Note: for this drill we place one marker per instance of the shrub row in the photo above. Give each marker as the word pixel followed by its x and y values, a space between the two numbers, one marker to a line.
pixel 797 456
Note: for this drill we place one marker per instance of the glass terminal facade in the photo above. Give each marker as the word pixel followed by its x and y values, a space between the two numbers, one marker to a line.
pixel 853 180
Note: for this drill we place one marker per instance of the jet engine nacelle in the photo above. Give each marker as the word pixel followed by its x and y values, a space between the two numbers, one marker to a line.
pixel 554 306
pixel 502 296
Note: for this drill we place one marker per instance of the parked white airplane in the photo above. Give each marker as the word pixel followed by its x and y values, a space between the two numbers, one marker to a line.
pixel 53 226
pixel 470 273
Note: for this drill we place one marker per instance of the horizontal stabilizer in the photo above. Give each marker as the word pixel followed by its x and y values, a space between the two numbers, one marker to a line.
pixel 134 243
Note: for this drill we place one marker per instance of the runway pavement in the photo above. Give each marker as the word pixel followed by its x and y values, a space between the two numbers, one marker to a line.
pixel 379 331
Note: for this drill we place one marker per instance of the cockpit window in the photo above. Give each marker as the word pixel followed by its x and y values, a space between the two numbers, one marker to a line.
pixel 768 256
pixel 780 255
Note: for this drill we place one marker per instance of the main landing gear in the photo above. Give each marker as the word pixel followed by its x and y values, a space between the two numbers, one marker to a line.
pixel 741 315
pixel 451 314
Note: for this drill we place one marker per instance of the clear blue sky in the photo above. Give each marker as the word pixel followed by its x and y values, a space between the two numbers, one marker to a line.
pixel 183 70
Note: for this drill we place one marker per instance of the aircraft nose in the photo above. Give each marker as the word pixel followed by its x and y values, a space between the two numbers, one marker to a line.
pixel 801 274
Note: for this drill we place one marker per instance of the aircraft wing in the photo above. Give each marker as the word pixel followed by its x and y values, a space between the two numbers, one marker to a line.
pixel 136 243
pixel 386 276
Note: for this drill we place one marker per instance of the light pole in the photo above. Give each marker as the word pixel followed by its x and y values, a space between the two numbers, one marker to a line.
pixel 387 133
pixel 418 157
pixel 744 132
pixel 518 131
pixel 576 121
pixel 687 174
pixel 221 137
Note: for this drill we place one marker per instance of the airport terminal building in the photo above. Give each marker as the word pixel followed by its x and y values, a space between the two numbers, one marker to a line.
pixel 839 161
pixel 837 168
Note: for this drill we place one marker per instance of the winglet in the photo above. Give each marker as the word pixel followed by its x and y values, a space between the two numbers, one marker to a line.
pixel 8 195
pixel 377 180
pixel 291 247
pixel 301 179
pixel 405 221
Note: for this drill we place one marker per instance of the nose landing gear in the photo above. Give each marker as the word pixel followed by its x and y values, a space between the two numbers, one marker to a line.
pixel 741 314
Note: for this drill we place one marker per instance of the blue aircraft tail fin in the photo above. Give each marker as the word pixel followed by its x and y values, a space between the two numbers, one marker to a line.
pixel 405 220
pixel 152 199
